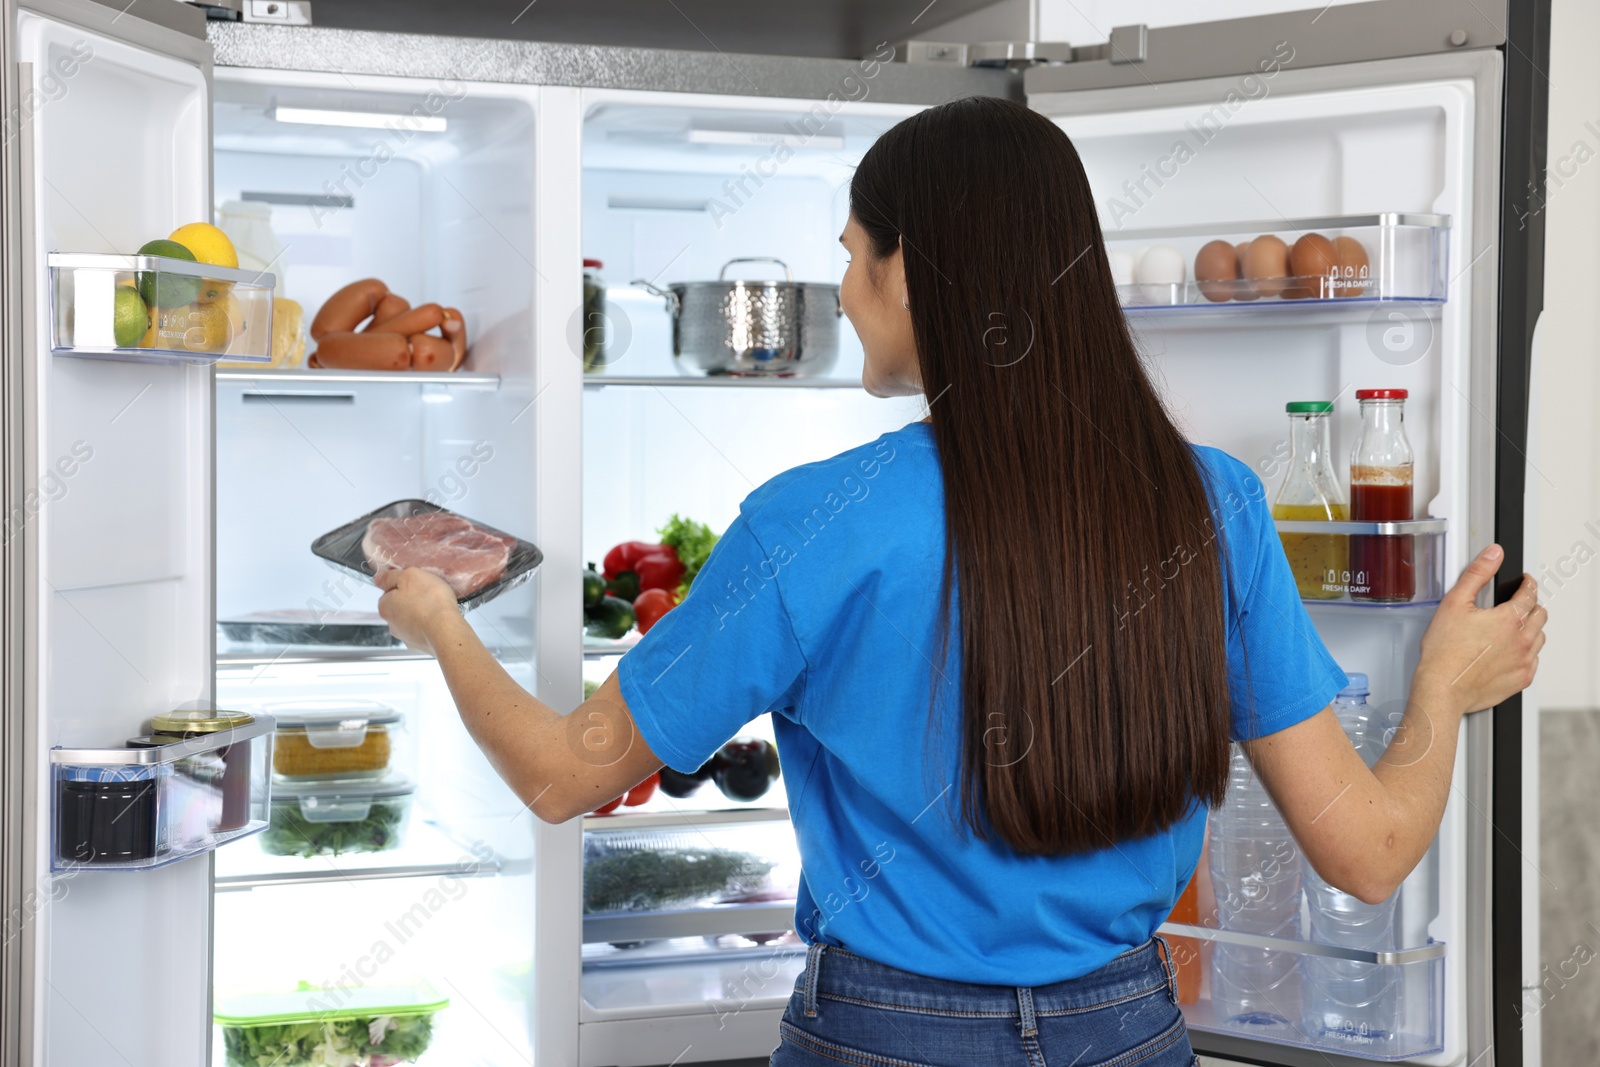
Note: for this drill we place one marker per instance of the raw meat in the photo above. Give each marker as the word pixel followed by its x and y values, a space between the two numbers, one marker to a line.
pixel 464 555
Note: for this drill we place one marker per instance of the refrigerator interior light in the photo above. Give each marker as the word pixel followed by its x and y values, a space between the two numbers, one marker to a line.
pixel 367 120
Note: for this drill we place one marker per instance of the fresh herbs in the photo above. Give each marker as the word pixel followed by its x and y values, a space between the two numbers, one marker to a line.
pixel 290 833
pixel 629 878
pixel 693 542
pixel 329 1043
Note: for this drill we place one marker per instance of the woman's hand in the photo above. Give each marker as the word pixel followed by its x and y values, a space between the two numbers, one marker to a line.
pixel 1481 656
pixel 414 604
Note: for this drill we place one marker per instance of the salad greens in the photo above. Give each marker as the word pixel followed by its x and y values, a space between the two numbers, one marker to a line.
pixel 290 833
pixel 693 542
pixel 329 1042
pixel 629 878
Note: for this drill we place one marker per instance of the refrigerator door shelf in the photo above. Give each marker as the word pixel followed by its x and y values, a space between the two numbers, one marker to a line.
pixel 190 312
pixel 1407 985
pixel 142 808
pixel 1336 265
pixel 1366 564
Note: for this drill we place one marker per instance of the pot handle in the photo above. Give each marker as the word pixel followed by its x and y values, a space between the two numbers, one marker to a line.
pixel 788 275
pixel 674 304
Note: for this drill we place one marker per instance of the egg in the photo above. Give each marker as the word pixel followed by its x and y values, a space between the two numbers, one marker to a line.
pixel 1121 266
pixel 1162 272
pixel 1354 268
pixel 1216 270
pixel 1313 262
pixel 1244 290
pixel 1267 264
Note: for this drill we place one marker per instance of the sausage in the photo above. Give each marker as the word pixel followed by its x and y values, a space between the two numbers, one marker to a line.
pixel 348 308
pixel 454 328
pixel 348 350
pixel 429 352
pixel 388 308
pixel 421 318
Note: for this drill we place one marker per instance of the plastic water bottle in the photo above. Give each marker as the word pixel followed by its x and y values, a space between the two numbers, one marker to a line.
pixel 1346 1001
pixel 1255 873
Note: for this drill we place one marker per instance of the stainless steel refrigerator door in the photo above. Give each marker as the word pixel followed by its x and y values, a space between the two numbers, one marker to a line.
pixel 108 525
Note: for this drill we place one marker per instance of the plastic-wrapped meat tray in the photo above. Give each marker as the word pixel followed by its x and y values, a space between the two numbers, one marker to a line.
pixel 302 627
pixel 344 549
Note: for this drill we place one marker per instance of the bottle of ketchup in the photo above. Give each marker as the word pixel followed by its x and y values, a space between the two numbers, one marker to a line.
pixel 1382 566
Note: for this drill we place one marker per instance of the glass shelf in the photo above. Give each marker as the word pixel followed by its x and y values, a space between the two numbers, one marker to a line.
pixel 1366 564
pixel 1339 265
pixel 428 850
pixel 630 819
pixel 322 376
pixel 174 311
pixel 601 381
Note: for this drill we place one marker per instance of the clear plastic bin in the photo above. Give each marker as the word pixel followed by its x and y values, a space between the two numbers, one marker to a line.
pixel 347 739
pixel 1413 994
pixel 137 808
pixel 310 1026
pixel 1370 563
pixel 331 817
pixel 153 309
pixel 1386 257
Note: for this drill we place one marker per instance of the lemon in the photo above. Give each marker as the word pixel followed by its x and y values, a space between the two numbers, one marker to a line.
pixel 163 290
pixel 199 327
pixel 209 245
pixel 130 318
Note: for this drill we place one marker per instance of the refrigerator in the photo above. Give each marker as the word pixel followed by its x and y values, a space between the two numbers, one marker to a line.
pixel 481 175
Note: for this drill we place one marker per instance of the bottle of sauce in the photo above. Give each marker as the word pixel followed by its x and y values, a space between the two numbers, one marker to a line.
pixel 1310 492
pixel 1382 566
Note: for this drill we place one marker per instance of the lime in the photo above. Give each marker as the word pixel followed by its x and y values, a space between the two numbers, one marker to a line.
pixel 130 318
pixel 164 290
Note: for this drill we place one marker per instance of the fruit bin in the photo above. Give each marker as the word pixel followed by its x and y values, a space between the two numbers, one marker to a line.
pixel 192 312
pixel 140 808
pixel 703 879
pixel 1376 564
pixel 1367 259
pixel 1410 981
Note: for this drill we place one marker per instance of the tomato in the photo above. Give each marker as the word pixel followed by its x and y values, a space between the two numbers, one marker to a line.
pixel 642 792
pixel 621 558
pixel 609 806
pixel 649 606
pixel 659 570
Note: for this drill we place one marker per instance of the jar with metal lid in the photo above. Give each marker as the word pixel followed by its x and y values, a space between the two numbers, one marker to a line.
pixel 235 776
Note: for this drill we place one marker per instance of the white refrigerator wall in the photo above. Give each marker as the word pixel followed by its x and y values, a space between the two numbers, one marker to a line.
pixel 123 590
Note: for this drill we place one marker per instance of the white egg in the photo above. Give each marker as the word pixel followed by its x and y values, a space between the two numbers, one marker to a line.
pixel 1121 266
pixel 1160 268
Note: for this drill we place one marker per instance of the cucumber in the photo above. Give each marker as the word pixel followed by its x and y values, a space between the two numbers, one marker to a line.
pixel 612 618
pixel 594 587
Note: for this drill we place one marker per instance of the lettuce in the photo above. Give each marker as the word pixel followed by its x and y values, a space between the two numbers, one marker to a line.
pixel 329 1043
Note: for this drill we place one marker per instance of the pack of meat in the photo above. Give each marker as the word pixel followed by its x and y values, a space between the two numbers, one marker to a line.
pixel 478 561
pixel 366 327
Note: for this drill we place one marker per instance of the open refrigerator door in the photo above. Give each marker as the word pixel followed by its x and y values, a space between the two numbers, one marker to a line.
pixel 1394 167
pixel 112 539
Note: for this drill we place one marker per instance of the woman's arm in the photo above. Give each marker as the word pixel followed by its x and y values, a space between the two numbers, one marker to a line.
pixel 559 765
pixel 1364 830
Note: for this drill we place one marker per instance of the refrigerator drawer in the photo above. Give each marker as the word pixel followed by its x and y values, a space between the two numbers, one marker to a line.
pixel 139 808
pixel 152 309
pixel 1368 1004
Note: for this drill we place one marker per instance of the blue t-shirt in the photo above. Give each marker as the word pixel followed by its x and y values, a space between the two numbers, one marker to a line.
pixel 819 604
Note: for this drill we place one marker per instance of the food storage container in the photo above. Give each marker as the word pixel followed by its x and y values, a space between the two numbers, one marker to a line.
pixel 331 817
pixel 345 548
pixel 235 771
pixel 310 1026
pixel 153 309
pixel 333 739
pixel 160 799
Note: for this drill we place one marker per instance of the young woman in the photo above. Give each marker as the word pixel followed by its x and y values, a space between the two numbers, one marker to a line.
pixel 998 795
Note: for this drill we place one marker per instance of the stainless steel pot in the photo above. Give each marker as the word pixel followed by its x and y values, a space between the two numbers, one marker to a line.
pixel 763 328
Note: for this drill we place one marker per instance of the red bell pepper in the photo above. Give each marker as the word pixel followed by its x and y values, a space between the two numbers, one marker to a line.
pixel 643 791
pixel 660 569
pixel 622 557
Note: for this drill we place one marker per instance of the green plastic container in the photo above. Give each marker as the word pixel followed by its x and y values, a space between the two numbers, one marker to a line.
pixel 371 1026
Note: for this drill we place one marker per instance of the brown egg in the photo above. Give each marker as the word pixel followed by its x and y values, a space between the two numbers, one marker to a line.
pixel 1216 270
pixel 1312 261
pixel 1354 269
pixel 1244 290
pixel 1267 264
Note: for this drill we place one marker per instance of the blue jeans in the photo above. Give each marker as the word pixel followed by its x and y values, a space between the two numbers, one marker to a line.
pixel 849 1010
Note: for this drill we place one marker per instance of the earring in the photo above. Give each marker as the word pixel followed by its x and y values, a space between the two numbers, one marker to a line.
pixel 904 304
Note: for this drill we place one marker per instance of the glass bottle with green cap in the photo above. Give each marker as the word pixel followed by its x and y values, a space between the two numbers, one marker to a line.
pixel 1311 491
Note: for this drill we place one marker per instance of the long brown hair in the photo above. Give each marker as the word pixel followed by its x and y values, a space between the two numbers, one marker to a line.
pixel 1093 655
